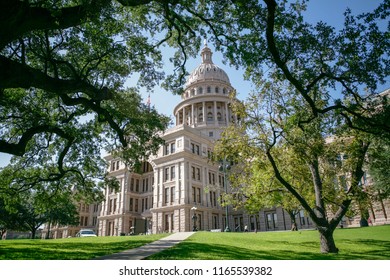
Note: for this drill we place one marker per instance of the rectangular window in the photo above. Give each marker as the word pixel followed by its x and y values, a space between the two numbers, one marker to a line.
pixel 198 174
pixel 275 220
pixel 166 195
pixel 193 194
pixel 173 148
pixel 166 152
pixel 172 194
pixel 132 184
pixel 173 175
pixel 136 205
pixel 166 175
pixel 211 178
pixel 199 196
pixel 137 185
pixel 131 204
pixel 193 172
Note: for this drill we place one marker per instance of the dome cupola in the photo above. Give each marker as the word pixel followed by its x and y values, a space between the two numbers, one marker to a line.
pixel 205 104
pixel 207 70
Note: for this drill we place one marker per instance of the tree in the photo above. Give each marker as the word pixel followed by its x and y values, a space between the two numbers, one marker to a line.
pixel 324 80
pixel 29 210
pixel 283 160
pixel 378 167
pixel 64 67
pixel 253 180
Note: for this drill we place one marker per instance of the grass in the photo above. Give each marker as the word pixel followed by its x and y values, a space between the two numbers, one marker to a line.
pixel 70 248
pixel 370 243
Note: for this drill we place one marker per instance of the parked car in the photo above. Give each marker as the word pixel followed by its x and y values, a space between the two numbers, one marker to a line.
pixel 86 233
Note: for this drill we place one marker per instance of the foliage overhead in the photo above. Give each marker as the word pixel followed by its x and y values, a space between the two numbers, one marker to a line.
pixel 64 69
pixel 316 99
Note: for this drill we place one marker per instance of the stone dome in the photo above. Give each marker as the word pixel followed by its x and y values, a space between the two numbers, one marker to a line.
pixel 207 70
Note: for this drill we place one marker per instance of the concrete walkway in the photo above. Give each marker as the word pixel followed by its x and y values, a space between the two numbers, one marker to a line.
pixel 149 249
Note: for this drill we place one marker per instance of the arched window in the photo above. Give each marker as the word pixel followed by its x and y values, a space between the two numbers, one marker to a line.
pixel 192 92
pixel 216 89
pixel 200 90
pixel 208 89
pixel 200 117
pixel 219 116
pixel 224 91
pixel 209 116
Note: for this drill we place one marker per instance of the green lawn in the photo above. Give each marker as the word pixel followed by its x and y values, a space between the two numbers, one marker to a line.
pixel 370 243
pixel 70 248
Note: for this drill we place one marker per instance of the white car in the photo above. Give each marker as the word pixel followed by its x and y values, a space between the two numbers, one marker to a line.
pixel 86 233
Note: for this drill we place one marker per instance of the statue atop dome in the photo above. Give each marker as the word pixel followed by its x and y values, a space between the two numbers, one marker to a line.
pixel 206 54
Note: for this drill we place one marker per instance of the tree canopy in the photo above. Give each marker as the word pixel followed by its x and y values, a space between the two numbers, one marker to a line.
pixel 64 66
pixel 316 99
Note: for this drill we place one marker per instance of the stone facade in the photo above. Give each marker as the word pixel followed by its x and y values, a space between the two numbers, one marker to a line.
pixel 179 186
pixel 179 189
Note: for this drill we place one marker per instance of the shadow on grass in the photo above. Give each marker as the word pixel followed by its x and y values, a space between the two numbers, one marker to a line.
pixel 65 251
pixel 193 250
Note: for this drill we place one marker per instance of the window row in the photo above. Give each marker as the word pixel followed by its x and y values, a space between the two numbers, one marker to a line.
pixel 83 207
pixel 112 206
pixel 115 165
pixel 134 204
pixel 170 148
pixel 169 195
pixel 147 185
pixel 169 173
pixel 207 89
pixel 83 221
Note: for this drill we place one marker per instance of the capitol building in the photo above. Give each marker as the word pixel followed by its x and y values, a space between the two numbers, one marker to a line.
pixel 179 188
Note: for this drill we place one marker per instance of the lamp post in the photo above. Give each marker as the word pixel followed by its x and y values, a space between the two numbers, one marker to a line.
pixel 194 218
pixel 224 167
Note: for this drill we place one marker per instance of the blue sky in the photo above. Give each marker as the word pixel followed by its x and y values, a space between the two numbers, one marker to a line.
pixel 330 11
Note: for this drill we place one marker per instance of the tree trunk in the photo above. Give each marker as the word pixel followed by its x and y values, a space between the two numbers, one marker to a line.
pixel 293 221
pixel 33 232
pixel 48 230
pixel 3 234
pixel 327 243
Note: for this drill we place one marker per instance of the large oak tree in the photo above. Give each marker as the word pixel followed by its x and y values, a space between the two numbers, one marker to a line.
pixel 64 68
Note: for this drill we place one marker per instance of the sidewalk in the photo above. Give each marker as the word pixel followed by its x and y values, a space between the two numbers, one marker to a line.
pixel 149 249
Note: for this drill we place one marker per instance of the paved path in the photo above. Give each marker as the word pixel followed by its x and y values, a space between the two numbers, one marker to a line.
pixel 149 249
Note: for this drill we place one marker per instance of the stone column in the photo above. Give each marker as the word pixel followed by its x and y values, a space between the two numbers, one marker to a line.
pixel 204 111
pixel 192 114
pixel 215 113
pixel 227 113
